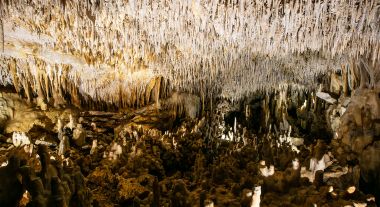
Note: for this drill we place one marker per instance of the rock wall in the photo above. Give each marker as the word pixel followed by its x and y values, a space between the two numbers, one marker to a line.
pixel 5 112
pixel 357 141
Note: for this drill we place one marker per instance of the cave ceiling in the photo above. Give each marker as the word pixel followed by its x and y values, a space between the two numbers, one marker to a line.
pixel 108 49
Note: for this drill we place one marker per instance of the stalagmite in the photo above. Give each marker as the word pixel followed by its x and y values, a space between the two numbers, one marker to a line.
pixel 295 164
pixel 351 189
pixel 94 146
pixel 235 123
pixel 79 135
pixel 316 165
pixel 256 197
pixel 165 102
pixel 59 126
pixel 63 146
pixel 209 203
pixel 20 139
pixel 360 204
pixel 265 171
pixel 71 123
pixel 4 164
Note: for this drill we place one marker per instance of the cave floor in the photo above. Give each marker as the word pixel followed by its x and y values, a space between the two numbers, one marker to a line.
pixel 147 158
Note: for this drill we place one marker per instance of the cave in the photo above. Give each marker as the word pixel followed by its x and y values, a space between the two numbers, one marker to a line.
pixel 189 103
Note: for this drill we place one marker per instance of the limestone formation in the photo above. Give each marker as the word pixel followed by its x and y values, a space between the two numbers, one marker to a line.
pixel 79 135
pixel 189 103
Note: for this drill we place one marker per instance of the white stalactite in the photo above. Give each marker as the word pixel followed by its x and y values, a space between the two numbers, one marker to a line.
pixel 198 45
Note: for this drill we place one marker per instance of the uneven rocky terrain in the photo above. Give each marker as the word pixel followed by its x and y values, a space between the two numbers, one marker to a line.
pixel 325 155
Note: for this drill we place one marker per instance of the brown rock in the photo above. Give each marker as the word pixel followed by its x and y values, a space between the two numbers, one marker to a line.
pixel 129 189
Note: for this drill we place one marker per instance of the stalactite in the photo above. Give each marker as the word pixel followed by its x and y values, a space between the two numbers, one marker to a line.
pixel 363 76
pixel 2 40
pixel 196 45
pixel 370 73
pixel 13 72
pixel 27 90
pixel 345 80
pixel 157 90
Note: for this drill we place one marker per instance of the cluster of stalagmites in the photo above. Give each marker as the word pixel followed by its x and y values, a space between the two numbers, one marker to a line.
pixel 181 168
pixel 56 183
pixel 191 171
pixel 254 153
